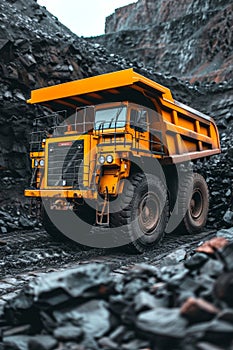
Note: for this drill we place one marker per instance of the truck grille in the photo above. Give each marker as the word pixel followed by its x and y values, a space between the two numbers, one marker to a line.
pixel 65 164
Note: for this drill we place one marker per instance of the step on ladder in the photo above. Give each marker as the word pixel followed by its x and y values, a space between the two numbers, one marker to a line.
pixel 102 210
pixel 33 178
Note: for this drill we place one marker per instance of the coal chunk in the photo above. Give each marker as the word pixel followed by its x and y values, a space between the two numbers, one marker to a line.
pixel 198 310
pixel 59 287
pixel 42 342
pixel 107 343
pixel 21 310
pixel 213 268
pixel 162 322
pixel 215 331
pixel 196 261
pixel 16 342
pixel 93 316
pixel 68 332
pixel 144 301
pixel 223 288
pixel 227 256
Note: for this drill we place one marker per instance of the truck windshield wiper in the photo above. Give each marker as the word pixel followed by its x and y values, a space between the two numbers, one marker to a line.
pixel 101 126
pixel 118 114
pixel 111 122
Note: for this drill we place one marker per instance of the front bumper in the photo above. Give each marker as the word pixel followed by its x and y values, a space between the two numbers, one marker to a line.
pixel 60 193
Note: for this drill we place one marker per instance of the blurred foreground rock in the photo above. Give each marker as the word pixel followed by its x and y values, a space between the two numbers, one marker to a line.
pixel 183 306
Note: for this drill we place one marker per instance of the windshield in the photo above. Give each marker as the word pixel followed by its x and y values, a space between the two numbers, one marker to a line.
pixel 110 118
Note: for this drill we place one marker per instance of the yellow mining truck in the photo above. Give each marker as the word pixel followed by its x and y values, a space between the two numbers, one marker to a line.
pixel 115 151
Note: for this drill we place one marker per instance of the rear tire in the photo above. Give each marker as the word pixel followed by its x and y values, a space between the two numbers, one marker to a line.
pixel 144 212
pixel 195 197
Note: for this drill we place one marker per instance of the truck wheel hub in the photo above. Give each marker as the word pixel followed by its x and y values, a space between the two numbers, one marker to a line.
pixel 196 204
pixel 148 215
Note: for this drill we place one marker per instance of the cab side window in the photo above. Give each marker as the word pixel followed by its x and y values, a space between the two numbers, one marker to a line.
pixel 133 117
pixel 143 119
pixel 139 120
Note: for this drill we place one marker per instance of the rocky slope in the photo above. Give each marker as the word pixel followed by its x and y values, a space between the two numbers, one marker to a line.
pixel 190 39
pixel 36 50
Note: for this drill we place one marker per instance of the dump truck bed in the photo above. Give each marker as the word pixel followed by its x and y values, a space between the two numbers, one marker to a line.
pixel 187 133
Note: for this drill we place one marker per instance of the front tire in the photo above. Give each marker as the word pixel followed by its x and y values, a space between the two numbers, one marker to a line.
pixel 144 212
pixel 49 226
pixel 84 213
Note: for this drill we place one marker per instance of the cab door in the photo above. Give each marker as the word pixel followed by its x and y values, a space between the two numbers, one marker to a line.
pixel 140 126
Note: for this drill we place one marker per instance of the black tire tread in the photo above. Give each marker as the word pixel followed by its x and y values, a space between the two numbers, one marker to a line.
pixel 50 228
pixel 122 218
pixel 185 192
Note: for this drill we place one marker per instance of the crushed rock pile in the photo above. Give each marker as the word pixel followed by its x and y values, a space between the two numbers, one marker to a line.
pixel 187 306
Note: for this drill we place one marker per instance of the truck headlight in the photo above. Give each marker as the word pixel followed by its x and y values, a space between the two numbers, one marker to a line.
pixel 101 159
pixel 36 163
pixel 41 162
pixel 109 158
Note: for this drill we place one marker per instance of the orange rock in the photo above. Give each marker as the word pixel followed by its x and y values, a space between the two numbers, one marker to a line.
pixel 209 247
pixel 198 310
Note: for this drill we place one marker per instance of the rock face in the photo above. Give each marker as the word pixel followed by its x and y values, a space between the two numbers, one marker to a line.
pixel 188 38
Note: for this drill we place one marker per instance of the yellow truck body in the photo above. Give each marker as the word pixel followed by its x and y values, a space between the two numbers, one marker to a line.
pixel 141 123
